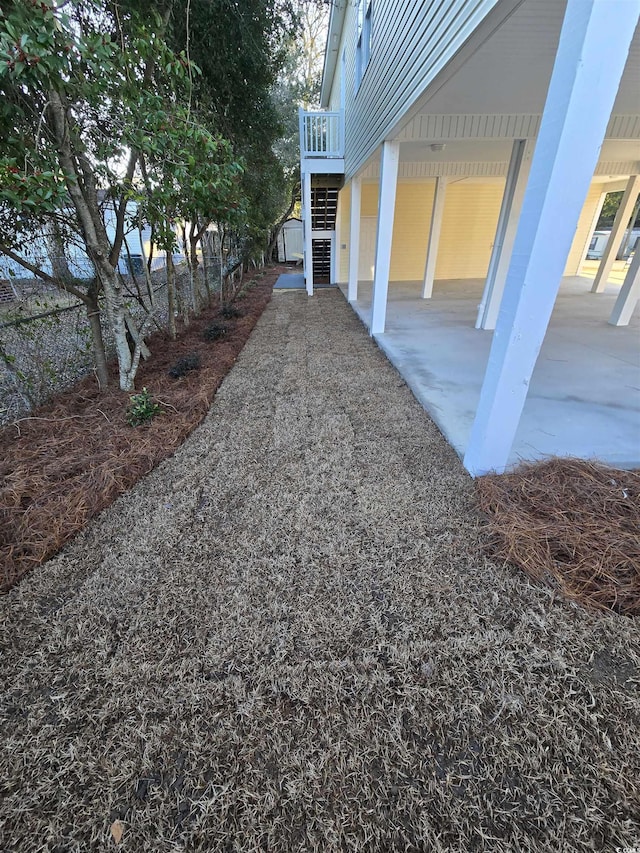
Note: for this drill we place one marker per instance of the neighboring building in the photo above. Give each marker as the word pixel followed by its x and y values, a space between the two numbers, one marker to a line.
pixel 599 241
pixel 470 144
pixel 131 256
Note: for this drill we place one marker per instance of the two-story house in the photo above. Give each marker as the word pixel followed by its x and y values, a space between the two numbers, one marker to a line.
pixel 451 185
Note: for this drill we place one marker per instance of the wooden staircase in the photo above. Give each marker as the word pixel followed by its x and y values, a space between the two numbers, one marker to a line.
pixel 324 208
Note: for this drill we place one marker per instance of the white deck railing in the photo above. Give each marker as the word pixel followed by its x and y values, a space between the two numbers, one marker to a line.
pixel 322 134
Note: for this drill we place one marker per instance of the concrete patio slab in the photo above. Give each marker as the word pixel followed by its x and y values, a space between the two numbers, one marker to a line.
pixel 584 397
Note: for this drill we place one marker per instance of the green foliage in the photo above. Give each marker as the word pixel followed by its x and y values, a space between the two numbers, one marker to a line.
pixel 610 208
pixel 190 173
pixel 104 101
pixel 141 409
pixel 236 94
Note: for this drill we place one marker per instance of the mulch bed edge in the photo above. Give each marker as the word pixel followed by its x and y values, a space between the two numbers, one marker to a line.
pixel 72 457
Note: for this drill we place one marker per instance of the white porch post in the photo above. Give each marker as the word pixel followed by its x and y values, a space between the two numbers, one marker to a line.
pixel 617 233
pixel 386 208
pixel 517 176
pixel 434 237
pixel 354 238
pixel 308 244
pixel 629 294
pixel 593 47
pixel 335 243
pixel 592 228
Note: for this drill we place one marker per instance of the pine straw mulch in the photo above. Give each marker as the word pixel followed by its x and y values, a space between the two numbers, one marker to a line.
pixel 572 524
pixel 73 456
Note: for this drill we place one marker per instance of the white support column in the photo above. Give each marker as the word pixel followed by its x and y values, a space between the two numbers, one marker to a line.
pixel 592 228
pixel 386 209
pixel 617 233
pixel 434 237
pixel 591 55
pixel 335 243
pixel 306 225
pixel 517 177
pixel 354 238
pixel 629 294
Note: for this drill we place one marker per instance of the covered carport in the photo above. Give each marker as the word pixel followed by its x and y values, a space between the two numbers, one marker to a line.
pixel 584 394
pixel 565 143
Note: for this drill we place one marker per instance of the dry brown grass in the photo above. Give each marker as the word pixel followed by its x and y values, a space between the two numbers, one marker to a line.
pixel 572 524
pixel 287 638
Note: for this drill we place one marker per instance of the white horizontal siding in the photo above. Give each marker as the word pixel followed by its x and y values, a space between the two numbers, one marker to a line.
pixel 412 42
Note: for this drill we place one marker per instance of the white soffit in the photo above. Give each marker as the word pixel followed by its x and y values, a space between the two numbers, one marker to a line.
pixel 510 73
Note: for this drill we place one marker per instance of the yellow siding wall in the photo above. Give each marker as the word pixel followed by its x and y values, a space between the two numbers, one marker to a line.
pixel 414 202
pixel 368 207
pixel 469 223
pixel 468 228
pixel 369 202
pixel 344 202
pixel 576 255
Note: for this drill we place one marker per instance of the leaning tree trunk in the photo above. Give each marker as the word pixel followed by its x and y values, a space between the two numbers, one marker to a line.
pixel 116 314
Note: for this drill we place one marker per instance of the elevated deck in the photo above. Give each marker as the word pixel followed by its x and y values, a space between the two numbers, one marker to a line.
pixel 322 142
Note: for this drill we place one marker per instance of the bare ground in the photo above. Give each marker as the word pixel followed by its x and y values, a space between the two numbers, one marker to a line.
pixel 287 638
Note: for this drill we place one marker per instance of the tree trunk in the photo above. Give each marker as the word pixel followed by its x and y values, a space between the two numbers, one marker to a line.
pixel 147 267
pixel 81 185
pixel 185 301
pixel 116 313
pixel 206 268
pixel 93 315
pixel 171 295
pixel 57 257
pixel 195 274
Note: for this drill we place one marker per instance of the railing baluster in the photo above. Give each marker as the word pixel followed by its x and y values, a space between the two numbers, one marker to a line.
pixel 322 134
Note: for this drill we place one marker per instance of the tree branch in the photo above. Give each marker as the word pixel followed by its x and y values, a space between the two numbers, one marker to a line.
pixel 56 282
pixel 121 210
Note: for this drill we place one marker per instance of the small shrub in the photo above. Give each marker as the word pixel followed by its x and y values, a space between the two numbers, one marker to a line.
pixel 141 408
pixel 215 331
pixel 185 365
pixel 229 312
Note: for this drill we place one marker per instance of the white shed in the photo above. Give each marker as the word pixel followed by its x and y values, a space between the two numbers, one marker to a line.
pixel 290 242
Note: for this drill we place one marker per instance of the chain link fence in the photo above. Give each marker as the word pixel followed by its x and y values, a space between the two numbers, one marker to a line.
pixel 45 337
pixel 46 344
